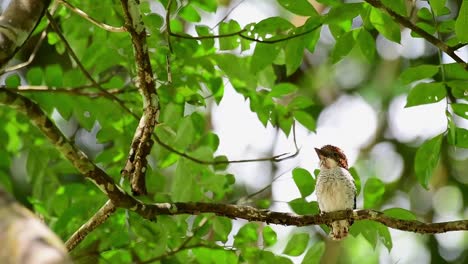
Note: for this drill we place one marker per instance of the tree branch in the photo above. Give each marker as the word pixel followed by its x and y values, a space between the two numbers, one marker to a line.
pixel 97 219
pixel 78 158
pixel 253 214
pixel 135 167
pixel 430 38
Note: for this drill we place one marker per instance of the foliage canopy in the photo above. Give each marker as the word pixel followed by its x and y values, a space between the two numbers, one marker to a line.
pixel 87 78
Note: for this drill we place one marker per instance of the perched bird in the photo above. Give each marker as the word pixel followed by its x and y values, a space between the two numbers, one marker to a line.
pixel 335 187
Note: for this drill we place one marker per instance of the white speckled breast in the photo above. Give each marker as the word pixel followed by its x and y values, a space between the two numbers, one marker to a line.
pixel 335 189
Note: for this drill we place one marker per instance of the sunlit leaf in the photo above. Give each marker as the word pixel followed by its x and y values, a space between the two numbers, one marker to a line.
pixel 302 207
pixel 264 54
pixel 426 159
pixel 399 213
pixel 343 46
pixel 269 236
pixel 426 93
pixel 460 109
pixel 399 6
pixel 461 24
pixel 229 43
pixel 461 137
pixel 418 73
pixel 342 13
pixel 299 7
pixel 304 181
pixel 374 190
pixel 305 119
pixel 189 13
pixel 385 25
pixel 297 244
pixel 366 44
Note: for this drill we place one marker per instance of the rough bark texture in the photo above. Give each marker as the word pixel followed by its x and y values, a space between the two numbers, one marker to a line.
pixel 135 167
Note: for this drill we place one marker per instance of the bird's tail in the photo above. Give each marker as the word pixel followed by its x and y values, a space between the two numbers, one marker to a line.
pixel 339 229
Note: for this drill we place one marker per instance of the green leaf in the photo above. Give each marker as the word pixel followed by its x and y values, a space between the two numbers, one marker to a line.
pixel 461 138
pixel 384 236
pixel 207 5
pixel 455 71
pixel 418 73
pixel 13 80
pixel 294 52
pixel 205 31
pixel 246 235
pixel 400 213
pixel 304 181
pixel 301 207
pixel 297 244
pixel 426 93
pixel 459 89
pixel 438 6
pixel 282 89
pixel 425 14
pixel 299 7
pixel 53 75
pixel 52 38
pixel 399 6
pixel 342 13
pixel 305 119
pixel 311 39
pixel 34 76
pixel 426 159
pixel 366 44
pixel 189 14
pixel 222 227
pixel 374 190
pixel 300 102
pixel 269 236
pixel 229 43
pixel 344 44
pixel 385 25
pixel 366 228
pixel 460 109
pixel 314 254
pixel 451 135
pixel 221 166
pixel 153 22
pixel 264 54
pixel 461 24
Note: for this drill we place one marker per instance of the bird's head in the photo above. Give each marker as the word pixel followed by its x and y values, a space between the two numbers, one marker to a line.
pixel 331 157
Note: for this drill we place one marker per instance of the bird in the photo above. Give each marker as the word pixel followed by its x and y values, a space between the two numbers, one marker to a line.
pixel 335 188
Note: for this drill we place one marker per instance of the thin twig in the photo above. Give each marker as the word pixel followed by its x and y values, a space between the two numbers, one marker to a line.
pixel 237 33
pixel 32 55
pixel 97 219
pixel 275 158
pixel 82 14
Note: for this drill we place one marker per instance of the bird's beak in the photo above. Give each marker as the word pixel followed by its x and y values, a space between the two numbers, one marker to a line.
pixel 319 152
